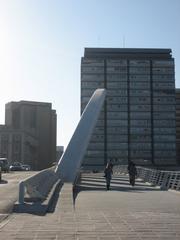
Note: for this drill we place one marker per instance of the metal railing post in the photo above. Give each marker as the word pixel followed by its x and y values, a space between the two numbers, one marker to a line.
pixel 164 182
pixel 165 179
pixel 21 192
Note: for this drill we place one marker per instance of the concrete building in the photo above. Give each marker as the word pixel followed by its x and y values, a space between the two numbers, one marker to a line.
pixel 178 125
pixel 18 146
pixel 59 152
pixel 138 121
pixel 34 124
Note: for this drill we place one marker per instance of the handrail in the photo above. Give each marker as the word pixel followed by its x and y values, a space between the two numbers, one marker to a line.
pixel 165 179
pixel 77 179
pixel 0 174
pixel 38 185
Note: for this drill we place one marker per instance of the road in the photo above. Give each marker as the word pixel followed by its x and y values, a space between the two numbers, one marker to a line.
pixel 9 190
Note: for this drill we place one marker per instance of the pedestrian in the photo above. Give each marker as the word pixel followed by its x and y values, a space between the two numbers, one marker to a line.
pixel 108 175
pixel 111 164
pixel 132 172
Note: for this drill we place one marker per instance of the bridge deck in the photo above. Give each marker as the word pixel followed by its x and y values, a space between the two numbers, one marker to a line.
pixel 124 212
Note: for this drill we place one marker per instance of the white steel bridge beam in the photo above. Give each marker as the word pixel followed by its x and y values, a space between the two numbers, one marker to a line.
pixel 71 161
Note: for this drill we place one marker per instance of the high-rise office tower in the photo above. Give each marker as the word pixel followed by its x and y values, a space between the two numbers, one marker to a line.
pixel 178 125
pixel 137 121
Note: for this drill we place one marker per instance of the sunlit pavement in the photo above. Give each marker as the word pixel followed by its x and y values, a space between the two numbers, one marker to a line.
pixel 124 212
pixel 9 190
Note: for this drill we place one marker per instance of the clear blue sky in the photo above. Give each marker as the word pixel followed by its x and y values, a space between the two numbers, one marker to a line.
pixel 42 42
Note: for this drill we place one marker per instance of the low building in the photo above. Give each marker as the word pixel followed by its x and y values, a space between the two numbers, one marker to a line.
pixel 29 134
pixel 59 152
pixel 18 146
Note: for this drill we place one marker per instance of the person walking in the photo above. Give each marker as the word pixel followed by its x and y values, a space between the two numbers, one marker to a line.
pixel 108 175
pixel 132 173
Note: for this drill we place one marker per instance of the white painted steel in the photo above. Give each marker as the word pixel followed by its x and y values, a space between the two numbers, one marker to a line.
pixel 71 160
pixel 165 179
pixel 38 185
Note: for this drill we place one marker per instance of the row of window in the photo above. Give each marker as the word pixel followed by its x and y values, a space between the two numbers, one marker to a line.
pixel 137 108
pixel 143 131
pixel 87 92
pixel 16 147
pixel 121 62
pixel 132 153
pixel 94 77
pixel 141 85
pixel 124 123
pixel 138 118
pixel 124 70
pixel 99 146
pixel 134 100
pixel 134 138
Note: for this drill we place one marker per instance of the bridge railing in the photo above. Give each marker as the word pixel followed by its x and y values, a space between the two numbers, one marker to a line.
pixel 77 178
pixel 164 179
pixel 38 185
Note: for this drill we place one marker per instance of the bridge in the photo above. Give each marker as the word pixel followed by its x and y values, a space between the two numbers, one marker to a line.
pixel 68 203
pixel 125 212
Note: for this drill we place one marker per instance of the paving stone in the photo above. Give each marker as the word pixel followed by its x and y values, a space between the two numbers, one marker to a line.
pixel 142 213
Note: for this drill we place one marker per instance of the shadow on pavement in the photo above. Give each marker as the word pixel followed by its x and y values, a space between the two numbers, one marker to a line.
pixel 118 183
pixel 55 198
pixel 113 181
pixel 95 187
pixel 3 181
pixel 35 206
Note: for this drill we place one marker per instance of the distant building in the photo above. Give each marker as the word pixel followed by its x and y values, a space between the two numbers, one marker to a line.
pixel 18 146
pixel 34 124
pixel 59 152
pixel 178 124
pixel 138 120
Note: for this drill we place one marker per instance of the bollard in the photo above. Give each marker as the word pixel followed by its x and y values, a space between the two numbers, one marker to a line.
pixel 164 183
pixel 21 192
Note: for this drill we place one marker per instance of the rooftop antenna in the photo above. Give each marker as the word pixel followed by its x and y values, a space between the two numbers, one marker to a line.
pixel 123 41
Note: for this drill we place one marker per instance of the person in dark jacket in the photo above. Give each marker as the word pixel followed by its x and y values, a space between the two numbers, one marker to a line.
pixel 108 175
pixel 132 172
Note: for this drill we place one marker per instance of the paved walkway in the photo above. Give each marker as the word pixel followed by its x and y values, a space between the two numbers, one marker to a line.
pixel 124 212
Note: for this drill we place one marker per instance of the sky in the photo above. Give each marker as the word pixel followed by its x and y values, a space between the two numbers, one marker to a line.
pixel 42 42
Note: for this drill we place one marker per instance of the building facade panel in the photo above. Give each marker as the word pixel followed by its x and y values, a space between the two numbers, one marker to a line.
pixel 178 124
